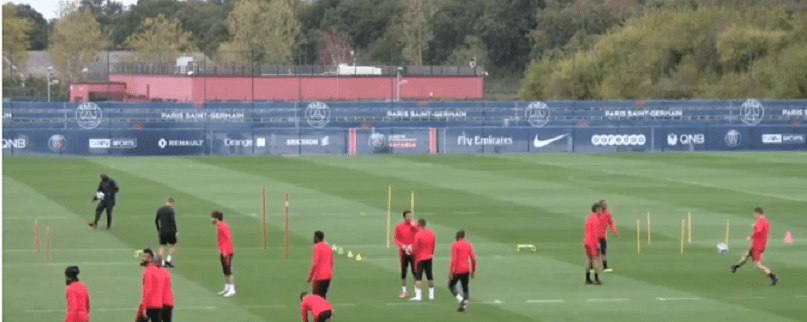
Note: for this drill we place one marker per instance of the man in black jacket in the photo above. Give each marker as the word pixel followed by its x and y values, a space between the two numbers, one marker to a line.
pixel 106 194
pixel 167 229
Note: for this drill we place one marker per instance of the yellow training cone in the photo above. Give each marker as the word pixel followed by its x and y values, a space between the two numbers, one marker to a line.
pixel 341 251
pixel 349 254
pixel 358 257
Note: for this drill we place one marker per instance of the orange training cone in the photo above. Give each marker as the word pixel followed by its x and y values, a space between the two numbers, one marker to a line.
pixel 788 238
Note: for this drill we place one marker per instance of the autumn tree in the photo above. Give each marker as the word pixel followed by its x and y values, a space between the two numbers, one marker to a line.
pixel 75 42
pixel 416 29
pixel 160 40
pixel 261 31
pixel 334 47
pixel 16 33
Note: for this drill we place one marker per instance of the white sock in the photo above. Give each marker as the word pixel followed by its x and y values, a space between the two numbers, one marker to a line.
pixel 226 287
pixel 232 287
pixel 417 292
pixel 168 259
pixel 431 291
pixel 459 298
pixel 404 289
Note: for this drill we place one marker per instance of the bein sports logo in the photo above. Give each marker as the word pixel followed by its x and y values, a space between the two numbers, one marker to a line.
pixel 608 140
pixel 733 138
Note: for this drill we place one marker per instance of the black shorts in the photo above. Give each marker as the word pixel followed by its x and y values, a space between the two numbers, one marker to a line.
pixel 424 266
pixel 320 287
pixel 226 264
pixel 462 278
pixel 407 260
pixel 324 316
pixel 168 239
pixel 168 313
pixel 603 245
pixel 152 315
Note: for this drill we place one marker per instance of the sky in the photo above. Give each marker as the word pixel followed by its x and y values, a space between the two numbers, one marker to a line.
pixel 48 7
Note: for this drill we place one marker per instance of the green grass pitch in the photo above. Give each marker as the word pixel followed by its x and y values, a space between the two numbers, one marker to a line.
pixel 500 200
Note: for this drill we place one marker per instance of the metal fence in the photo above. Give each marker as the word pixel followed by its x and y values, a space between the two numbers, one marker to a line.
pixel 197 68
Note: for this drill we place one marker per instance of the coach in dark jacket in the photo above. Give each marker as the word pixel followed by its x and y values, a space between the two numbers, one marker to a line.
pixel 106 194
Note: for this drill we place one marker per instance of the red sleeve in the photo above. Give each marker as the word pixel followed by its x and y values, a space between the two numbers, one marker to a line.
pixel 757 230
pixel 611 224
pixel 454 259
pixel 473 259
pixel 72 306
pixel 416 244
pixel 304 310
pixel 314 263
pixel 148 287
pixel 395 237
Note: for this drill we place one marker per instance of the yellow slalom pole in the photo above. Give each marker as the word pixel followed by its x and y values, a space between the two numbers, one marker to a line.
pixel 648 228
pixel 389 213
pixel 683 222
pixel 689 227
pixel 638 236
pixel 412 204
pixel 727 232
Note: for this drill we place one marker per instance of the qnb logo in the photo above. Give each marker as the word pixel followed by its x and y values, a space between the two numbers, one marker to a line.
pixel 617 140
pixel 685 139
pixel 14 143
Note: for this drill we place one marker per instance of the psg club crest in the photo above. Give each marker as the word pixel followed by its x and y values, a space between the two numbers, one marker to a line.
pixel 733 138
pixel 57 143
pixel 318 114
pixel 752 112
pixel 88 115
pixel 537 113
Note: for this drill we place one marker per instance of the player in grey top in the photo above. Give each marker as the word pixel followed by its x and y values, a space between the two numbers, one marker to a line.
pixel 167 229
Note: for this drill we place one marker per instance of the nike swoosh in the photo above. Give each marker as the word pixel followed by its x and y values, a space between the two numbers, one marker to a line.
pixel 542 143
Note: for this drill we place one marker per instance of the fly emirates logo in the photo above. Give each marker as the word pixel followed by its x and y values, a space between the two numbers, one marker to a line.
pixel 477 140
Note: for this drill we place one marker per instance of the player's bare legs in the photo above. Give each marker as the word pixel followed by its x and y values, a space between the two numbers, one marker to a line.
pixel 742 262
pixel 592 264
pixel 171 251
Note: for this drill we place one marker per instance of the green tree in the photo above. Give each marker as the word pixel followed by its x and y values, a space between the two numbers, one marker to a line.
pixel 39 29
pixel 504 27
pixel 451 25
pixel 472 50
pixel 416 29
pixel 16 35
pixel 160 40
pixel 261 32
pixel 75 42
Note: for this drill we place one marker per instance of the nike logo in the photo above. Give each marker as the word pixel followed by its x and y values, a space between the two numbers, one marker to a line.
pixel 542 143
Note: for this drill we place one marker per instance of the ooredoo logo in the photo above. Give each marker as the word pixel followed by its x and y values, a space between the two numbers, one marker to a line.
pixel 616 140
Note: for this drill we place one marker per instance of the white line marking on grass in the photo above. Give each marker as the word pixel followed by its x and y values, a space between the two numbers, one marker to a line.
pixel 466 212
pixel 678 298
pixel 607 300
pixel 34 218
pixel 408 303
pixel 544 301
pixel 746 298
pixel 801 296
pixel 72 250
pixel 267 306
pixel 492 302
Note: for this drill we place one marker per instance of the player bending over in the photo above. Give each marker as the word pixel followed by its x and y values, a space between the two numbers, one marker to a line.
pixel 590 244
pixel 461 253
pixel 225 243
pixel 423 249
pixel 758 238
pixel 404 237
pixel 319 307
pixel 605 222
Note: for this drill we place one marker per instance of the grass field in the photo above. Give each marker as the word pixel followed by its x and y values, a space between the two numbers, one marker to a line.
pixel 500 200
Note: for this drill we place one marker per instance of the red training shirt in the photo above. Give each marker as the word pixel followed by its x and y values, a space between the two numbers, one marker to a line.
pixel 759 237
pixel 605 222
pixel 461 252
pixel 405 234
pixel 423 247
pixel 223 237
pixel 152 297
pixel 78 302
pixel 591 230
pixel 321 262
pixel 168 294
pixel 314 303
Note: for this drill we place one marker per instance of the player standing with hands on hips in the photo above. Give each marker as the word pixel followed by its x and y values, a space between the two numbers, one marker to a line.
pixel 167 229
pixel 423 249
pixel 106 194
pixel 404 237
pixel 461 254
pixel 321 266
pixel 758 238
pixel 78 300
pixel 225 243
pixel 605 222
